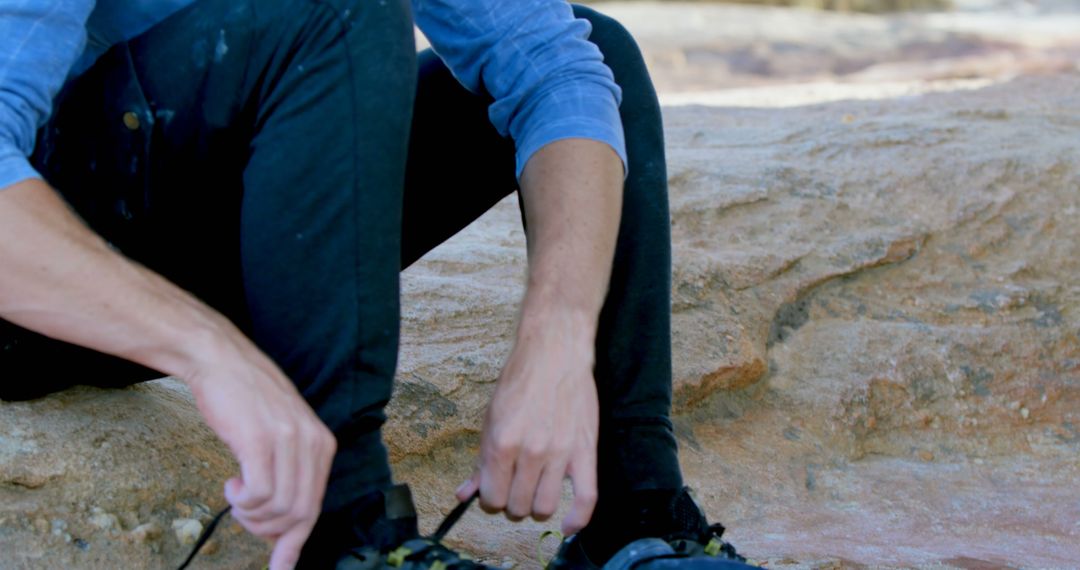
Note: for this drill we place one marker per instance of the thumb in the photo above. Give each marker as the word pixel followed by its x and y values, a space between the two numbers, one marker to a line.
pixel 467 489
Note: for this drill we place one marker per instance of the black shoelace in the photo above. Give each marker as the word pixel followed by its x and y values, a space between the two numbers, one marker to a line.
pixel 440 533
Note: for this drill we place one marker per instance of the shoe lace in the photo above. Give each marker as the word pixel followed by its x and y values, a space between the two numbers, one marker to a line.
pixel 441 557
pixel 717 547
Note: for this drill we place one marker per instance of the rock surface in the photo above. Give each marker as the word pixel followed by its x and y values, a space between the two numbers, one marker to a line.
pixel 877 331
pixel 93 478
pixel 877 340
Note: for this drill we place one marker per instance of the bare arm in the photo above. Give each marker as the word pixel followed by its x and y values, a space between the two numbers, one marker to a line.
pixel 542 424
pixel 62 280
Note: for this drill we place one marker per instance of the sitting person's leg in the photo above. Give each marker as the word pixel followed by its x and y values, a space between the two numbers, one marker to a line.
pixel 453 146
pixel 459 167
pixel 254 154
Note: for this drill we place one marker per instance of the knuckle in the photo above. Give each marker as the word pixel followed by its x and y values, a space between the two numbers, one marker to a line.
pixel 516 512
pixel 505 446
pixel 587 497
pixel 329 442
pixel 493 504
pixel 562 449
pixel 543 512
pixel 259 493
pixel 535 451
pixel 281 506
pixel 285 430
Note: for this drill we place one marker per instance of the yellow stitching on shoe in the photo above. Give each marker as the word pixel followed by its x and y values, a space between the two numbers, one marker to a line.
pixel 540 546
pixel 714 546
pixel 397 557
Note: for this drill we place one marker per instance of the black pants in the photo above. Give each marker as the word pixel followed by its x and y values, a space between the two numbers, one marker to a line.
pixel 259 155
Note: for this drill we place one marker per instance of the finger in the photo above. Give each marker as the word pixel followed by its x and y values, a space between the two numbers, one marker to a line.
pixel 549 491
pixel 495 477
pixel 466 490
pixel 523 486
pixel 264 529
pixel 583 475
pixel 289 467
pixel 323 447
pixel 285 474
pixel 256 485
pixel 287 548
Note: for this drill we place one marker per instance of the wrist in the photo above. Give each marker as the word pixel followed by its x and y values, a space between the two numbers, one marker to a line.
pixel 544 317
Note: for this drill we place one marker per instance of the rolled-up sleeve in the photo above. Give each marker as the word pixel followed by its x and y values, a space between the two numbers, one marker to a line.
pixel 534 58
pixel 39 42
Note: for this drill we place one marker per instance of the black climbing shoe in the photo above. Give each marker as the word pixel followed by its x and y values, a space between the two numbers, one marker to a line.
pixel 659 531
pixel 378 532
pixel 382 534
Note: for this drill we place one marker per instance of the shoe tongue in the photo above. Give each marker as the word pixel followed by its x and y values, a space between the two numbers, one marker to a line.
pixel 386 519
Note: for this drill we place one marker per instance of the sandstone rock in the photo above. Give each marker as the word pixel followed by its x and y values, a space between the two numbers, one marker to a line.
pixel 857 305
pixel 877 337
pixel 69 462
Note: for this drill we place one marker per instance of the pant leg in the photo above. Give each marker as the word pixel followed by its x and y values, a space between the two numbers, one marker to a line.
pixel 259 163
pixel 311 122
pixel 453 146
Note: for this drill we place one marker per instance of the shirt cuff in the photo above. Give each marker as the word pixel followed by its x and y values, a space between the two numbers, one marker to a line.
pixel 14 168
pixel 604 125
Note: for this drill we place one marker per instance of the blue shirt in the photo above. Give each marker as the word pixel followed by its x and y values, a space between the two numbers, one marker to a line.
pixel 548 81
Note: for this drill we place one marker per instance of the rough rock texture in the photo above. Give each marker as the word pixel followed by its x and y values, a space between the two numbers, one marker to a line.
pixel 877 331
pixel 877 336
pixel 112 479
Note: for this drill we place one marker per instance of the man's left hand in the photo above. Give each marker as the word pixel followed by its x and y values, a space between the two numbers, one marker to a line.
pixel 542 425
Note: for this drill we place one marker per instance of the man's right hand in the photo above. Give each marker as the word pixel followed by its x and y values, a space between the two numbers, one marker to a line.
pixel 62 280
pixel 284 450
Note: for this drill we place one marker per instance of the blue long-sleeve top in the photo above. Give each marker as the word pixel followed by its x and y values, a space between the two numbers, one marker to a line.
pixel 532 56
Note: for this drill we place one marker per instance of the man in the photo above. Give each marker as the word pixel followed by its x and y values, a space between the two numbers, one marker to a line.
pixel 262 170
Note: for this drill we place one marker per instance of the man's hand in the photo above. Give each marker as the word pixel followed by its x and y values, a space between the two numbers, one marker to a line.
pixel 543 420
pixel 62 280
pixel 542 426
pixel 284 450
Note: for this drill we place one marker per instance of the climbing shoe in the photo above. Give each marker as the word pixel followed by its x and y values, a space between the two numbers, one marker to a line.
pixel 378 532
pixel 649 530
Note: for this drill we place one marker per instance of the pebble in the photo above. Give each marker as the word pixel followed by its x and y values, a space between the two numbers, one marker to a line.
pixel 41 525
pixel 926 455
pixel 210 548
pixel 145 533
pixel 105 521
pixel 187 530
pixel 59 527
pixel 1024 413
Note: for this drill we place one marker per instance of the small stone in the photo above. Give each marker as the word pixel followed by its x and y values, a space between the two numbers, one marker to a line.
pixel 105 521
pixel 41 525
pixel 210 548
pixel 59 527
pixel 1024 413
pixel 848 119
pixel 187 530
pixel 201 512
pixel 145 533
pixel 926 455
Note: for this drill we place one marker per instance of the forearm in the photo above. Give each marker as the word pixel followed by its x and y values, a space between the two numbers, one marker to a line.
pixel 572 191
pixel 62 280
